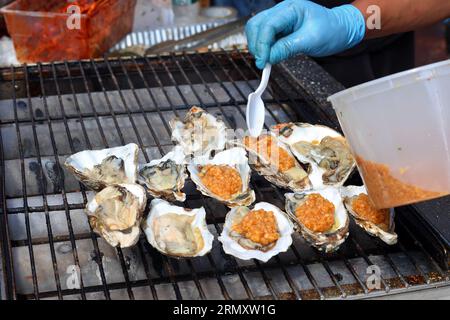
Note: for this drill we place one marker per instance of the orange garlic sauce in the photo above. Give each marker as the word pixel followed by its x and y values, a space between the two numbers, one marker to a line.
pixel 364 208
pixel 316 213
pixel 259 226
pixel 266 147
pixel 224 181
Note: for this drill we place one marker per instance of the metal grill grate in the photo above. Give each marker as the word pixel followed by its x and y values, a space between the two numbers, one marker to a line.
pixel 48 112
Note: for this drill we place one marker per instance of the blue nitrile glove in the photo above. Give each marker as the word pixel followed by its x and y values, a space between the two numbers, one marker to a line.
pixel 302 26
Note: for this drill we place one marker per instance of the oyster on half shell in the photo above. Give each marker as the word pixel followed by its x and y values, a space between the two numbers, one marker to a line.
pixel 381 224
pixel 325 149
pixel 243 248
pixel 324 240
pixel 177 231
pixel 232 167
pixel 165 177
pixel 116 212
pixel 199 133
pixel 100 168
pixel 274 161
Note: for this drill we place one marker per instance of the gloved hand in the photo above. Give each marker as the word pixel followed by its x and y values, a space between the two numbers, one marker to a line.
pixel 302 26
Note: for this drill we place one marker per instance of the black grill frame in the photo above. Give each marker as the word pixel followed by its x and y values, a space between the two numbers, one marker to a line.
pixel 189 69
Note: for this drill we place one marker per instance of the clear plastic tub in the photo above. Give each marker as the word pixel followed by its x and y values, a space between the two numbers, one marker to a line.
pixel 40 29
pixel 399 130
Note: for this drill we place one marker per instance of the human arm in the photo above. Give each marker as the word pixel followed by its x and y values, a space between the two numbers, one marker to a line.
pixel 301 26
pixel 403 15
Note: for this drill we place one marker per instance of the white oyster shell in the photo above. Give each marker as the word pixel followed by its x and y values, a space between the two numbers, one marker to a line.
pixel 165 177
pixel 116 212
pixel 199 133
pixel 100 168
pixel 232 247
pixel 296 179
pixel 389 236
pixel 324 241
pixel 235 158
pixel 177 231
pixel 294 134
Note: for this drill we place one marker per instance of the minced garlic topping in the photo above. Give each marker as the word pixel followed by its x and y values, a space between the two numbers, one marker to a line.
pixel 266 147
pixel 316 213
pixel 259 226
pixel 224 181
pixel 364 208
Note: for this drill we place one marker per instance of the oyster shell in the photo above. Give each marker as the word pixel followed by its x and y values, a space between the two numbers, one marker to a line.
pixel 115 213
pixel 327 241
pixel 242 248
pixel 199 133
pixel 165 177
pixel 234 158
pixel 325 149
pixel 384 231
pixel 177 231
pixel 100 168
pixel 267 162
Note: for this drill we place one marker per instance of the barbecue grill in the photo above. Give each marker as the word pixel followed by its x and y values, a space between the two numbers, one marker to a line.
pixel 50 111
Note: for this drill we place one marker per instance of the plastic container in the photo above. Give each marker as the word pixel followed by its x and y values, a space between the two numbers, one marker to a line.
pixel 41 32
pixel 399 130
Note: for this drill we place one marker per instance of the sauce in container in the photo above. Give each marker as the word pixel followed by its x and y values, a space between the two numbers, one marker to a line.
pixel 386 191
pixel 53 30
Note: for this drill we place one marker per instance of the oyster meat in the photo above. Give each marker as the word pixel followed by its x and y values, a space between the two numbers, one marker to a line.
pixel 100 168
pixel 325 149
pixel 199 133
pixel 320 216
pixel 272 159
pixel 177 231
pixel 378 223
pixel 165 177
pixel 225 177
pixel 116 212
pixel 259 240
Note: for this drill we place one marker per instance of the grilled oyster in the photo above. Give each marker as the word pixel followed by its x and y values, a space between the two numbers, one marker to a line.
pixel 272 159
pixel 115 213
pixel 243 244
pixel 100 168
pixel 225 177
pixel 165 177
pixel 199 133
pixel 378 223
pixel 177 231
pixel 325 149
pixel 320 216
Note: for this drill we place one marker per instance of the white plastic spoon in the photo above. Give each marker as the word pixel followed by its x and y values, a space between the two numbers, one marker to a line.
pixel 256 111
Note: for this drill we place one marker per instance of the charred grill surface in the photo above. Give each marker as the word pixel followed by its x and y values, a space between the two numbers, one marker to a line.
pixel 50 111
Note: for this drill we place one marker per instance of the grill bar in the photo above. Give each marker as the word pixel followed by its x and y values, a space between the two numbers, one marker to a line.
pixel 119 101
pixel 285 273
pixel 327 268
pixel 24 193
pixel 42 186
pixel 176 113
pixel 59 172
pixel 202 294
pixel 86 136
pixel 10 289
pixel 197 283
pixel 291 283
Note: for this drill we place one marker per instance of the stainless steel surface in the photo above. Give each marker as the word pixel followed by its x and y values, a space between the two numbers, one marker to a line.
pixel 204 39
pixel 153 37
